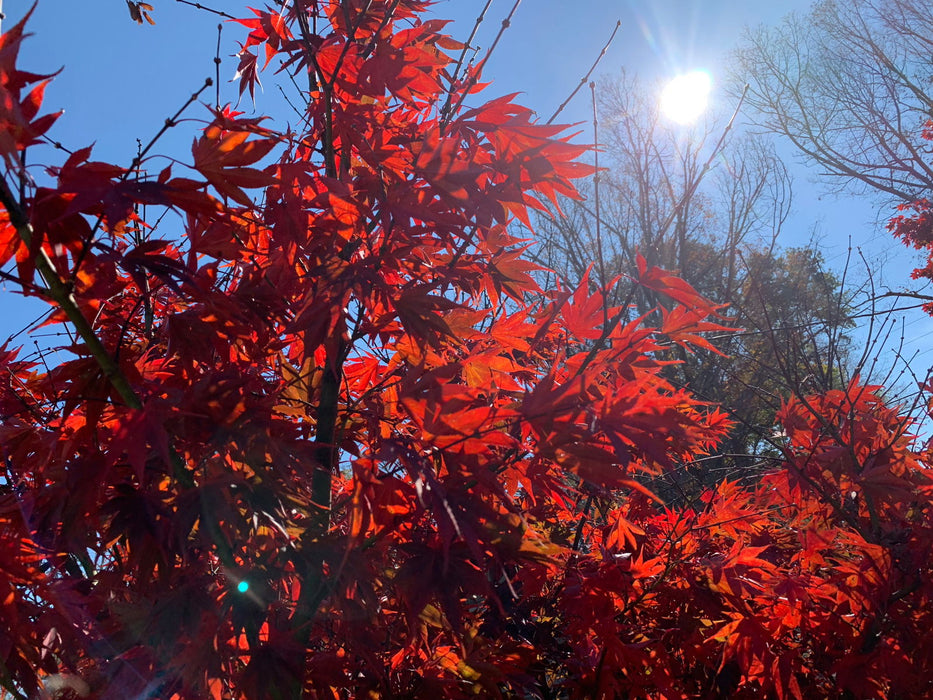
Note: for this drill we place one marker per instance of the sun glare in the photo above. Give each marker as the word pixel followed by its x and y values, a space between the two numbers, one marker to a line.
pixel 685 98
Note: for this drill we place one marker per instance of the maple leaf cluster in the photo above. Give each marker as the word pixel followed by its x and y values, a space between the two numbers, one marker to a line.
pixel 328 438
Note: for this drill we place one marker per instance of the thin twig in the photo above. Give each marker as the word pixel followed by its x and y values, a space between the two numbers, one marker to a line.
pixel 706 166
pixel 327 147
pixel 137 161
pixel 217 67
pixel 57 145
pixel 586 77
pixel 466 47
pixel 388 17
pixel 578 535
pixel 600 261
pixel 506 23
pixel 351 38
pixel 169 123
pixel 290 104
pixel 206 9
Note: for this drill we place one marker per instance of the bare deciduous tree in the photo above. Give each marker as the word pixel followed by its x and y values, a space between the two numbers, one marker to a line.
pixel 849 85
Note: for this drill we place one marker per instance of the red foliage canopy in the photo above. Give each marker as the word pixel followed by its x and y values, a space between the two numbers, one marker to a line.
pixel 328 438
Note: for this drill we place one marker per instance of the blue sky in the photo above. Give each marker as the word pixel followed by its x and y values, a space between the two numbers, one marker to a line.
pixel 121 80
pixel 552 42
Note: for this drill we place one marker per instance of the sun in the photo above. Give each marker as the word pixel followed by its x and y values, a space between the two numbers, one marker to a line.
pixel 685 97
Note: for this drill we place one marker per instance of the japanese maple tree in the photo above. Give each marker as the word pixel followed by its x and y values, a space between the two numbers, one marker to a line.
pixel 320 433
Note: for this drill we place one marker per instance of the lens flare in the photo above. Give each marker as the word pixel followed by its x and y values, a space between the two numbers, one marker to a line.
pixel 242 586
pixel 685 98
